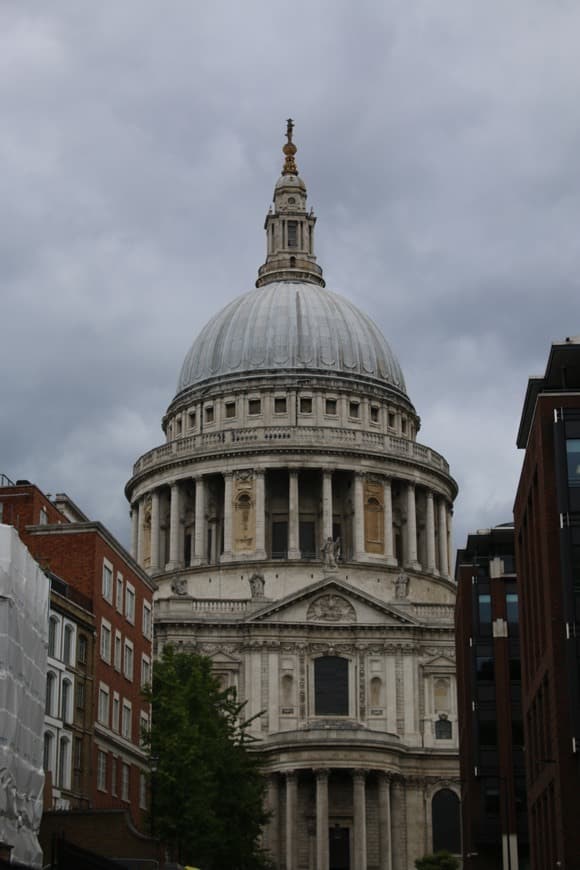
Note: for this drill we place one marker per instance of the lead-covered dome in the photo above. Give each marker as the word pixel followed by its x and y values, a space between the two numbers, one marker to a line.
pixel 288 326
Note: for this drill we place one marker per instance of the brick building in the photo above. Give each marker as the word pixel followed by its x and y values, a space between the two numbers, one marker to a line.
pixel 117 598
pixel 547 528
pixel 489 703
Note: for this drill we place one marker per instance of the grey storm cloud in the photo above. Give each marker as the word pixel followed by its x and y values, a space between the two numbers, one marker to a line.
pixel 140 145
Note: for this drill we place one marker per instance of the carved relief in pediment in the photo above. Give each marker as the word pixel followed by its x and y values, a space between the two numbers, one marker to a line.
pixel 331 608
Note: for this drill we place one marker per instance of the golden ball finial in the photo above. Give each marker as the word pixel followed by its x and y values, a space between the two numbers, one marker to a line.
pixel 289 150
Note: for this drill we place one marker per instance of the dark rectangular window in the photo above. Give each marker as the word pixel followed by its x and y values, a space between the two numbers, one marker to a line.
pixel 354 409
pixel 484 610
pixel 511 607
pixel 307 543
pixel 209 414
pixel 573 457
pixel 331 686
pixel 306 405
pixel 279 539
pixel 280 406
pixel 391 420
pixel 331 406
pixel 230 409
pixel 374 414
pixel 484 667
pixel 292 234
pixel 254 406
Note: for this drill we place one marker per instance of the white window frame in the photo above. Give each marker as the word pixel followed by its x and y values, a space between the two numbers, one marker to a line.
pixel 128 659
pixel 101 770
pixel 116 713
pixel 143 726
pixel 107 587
pixel 104 705
pixel 130 597
pixel 119 592
pixel 105 649
pixel 127 719
pixel 147 619
pixel 118 651
pixel 64 762
pixel 145 667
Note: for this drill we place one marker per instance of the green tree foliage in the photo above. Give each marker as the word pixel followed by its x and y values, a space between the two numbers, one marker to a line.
pixel 208 791
pixel 438 861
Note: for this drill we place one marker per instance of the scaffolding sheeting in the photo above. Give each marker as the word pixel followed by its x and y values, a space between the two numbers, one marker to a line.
pixel 24 601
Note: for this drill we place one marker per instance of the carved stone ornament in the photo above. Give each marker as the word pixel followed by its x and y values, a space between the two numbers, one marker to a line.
pixel 401 586
pixel 256 582
pixel 179 586
pixel 331 608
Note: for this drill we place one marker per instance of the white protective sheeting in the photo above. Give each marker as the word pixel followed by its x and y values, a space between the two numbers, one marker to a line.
pixel 24 599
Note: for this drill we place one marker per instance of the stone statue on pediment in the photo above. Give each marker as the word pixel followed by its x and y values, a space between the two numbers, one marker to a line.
pixel 257 584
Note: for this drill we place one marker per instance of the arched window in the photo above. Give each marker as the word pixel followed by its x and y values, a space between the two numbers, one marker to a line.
pixel 47 756
pixel 50 693
pixel 67 646
pixel 63 762
pixel 376 692
pixel 445 817
pixel 331 686
pixel 65 700
pixel 52 636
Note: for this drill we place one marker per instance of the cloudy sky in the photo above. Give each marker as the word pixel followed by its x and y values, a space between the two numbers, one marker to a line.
pixel 139 145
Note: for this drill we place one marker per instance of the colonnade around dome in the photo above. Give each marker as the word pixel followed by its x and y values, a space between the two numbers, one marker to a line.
pixel 288 514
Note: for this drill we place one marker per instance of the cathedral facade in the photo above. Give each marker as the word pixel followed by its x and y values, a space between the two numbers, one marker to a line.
pixel 299 535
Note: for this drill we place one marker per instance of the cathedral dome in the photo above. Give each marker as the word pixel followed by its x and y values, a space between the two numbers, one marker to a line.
pixel 291 326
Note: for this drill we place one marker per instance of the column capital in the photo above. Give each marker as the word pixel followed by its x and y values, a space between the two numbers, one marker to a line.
pixel 359 774
pixel 430 494
pixel 290 774
pixel 321 773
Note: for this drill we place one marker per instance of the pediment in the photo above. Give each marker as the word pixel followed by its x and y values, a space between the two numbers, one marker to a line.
pixel 439 664
pixel 332 602
pixel 222 658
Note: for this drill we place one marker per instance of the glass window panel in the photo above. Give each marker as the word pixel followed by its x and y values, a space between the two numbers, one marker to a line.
pixel 573 455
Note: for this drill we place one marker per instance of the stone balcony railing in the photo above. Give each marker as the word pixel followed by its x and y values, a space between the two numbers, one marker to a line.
pixel 317 437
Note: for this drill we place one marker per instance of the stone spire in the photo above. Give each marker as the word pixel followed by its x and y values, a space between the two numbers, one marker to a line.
pixel 289 228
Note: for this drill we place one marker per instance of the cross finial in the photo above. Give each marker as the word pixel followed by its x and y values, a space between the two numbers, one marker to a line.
pixel 289 150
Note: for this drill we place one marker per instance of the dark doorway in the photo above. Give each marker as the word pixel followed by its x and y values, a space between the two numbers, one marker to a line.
pixel 339 848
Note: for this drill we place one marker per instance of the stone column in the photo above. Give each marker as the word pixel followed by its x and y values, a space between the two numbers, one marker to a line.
pixel 291 804
pixel 450 542
pixel 443 551
pixel 272 840
pixel 360 820
pixel 154 530
pixel 174 515
pixel 139 511
pixel 322 856
pixel 388 518
pixel 199 552
pixel 385 837
pixel 411 529
pixel 399 824
pixel 293 516
pixel 227 554
pixel 326 505
pixel 135 530
pixel 430 533
pixel 260 515
pixel 359 519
